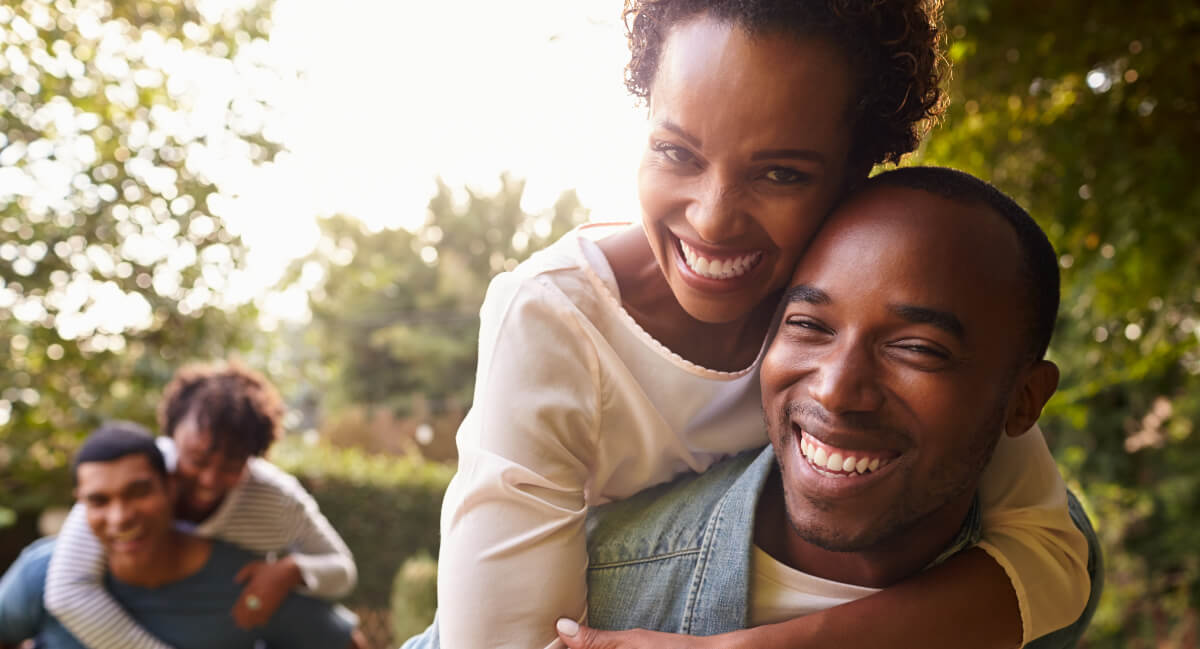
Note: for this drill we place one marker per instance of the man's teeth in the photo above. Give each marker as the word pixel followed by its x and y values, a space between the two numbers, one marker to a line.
pixel 129 535
pixel 842 462
pixel 718 269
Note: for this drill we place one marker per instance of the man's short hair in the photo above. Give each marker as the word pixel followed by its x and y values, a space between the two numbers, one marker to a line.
pixel 236 405
pixel 1039 261
pixel 115 440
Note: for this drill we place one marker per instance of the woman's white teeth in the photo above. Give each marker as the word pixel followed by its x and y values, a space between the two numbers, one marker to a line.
pixel 838 461
pixel 718 269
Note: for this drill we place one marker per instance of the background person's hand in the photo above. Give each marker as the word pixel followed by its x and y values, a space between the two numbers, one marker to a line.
pixel 357 640
pixel 585 637
pixel 267 584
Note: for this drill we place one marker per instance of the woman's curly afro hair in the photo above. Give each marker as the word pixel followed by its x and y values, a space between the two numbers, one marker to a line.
pixel 236 405
pixel 892 45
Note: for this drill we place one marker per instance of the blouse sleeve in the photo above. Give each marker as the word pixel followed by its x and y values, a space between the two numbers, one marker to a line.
pixel 513 556
pixel 325 562
pixel 1028 530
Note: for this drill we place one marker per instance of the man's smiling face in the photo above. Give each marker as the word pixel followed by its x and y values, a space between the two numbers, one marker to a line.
pixel 900 355
pixel 128 504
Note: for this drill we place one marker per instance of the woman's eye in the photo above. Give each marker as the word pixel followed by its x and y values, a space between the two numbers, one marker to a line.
pixel 675 153
pixel 785 176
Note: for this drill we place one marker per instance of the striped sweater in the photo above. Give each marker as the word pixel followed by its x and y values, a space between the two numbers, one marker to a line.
pixel 267 512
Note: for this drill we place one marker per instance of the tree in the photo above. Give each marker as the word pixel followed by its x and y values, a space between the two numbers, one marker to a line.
pixel 1090 116
pixel 396 313
pixel 113 255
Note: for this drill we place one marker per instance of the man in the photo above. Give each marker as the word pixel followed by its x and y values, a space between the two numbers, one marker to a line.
pixel 911 338
pixel 178 586
pixel 218 421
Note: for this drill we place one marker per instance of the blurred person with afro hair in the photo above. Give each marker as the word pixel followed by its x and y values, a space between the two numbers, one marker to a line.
pixel 218 420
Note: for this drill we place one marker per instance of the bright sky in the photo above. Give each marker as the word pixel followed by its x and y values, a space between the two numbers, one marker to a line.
pixel 396 93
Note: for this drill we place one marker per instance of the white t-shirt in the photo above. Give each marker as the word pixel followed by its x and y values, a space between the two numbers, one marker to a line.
pixel 576 405
pixel 779 592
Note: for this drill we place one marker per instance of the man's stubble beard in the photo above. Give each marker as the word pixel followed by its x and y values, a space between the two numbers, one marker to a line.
pixel 948 482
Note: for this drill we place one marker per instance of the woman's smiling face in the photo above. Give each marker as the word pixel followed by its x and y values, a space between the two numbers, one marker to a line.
pixel 748 150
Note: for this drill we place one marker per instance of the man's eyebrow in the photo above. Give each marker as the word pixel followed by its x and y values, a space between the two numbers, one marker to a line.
pixel 680 131
pixel 140 483
pixel 943 320
pixel 806 293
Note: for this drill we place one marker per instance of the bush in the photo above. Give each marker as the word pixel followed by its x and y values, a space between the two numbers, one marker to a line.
pixel 386 508
pixel 414 597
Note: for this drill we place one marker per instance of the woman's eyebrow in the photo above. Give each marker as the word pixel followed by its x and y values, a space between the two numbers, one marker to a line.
pixel 796 154
pixel 680 131
pixel 765 154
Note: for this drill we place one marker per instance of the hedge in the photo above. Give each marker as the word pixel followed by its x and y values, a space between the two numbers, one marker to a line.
pixel 385 507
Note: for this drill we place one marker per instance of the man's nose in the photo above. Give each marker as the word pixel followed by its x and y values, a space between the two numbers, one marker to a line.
pixel 119 513
pixel 847 379
pixel 716 211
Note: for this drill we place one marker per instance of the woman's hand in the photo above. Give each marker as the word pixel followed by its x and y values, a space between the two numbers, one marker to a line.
pixel 585 637
pixel 267 585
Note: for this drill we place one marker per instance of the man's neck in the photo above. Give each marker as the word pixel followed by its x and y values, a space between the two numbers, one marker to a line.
pixel 179 555
pixel 888 562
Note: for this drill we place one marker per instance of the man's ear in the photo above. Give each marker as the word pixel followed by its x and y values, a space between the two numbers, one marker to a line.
pixel 1038 383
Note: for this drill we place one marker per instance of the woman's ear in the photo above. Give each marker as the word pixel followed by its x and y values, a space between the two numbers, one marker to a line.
pixel 1038 384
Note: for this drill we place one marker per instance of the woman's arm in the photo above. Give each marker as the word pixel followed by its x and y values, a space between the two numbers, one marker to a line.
pixel 971 600
pixel 76 596
pixel 513 556
pixel 965 602
pixel 324 561
pixel 1028 530
pixel 319 560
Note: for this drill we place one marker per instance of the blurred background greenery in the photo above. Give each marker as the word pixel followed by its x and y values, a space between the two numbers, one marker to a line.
pixel 116 266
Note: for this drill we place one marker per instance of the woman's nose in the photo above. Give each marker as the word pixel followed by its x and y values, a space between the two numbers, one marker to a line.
pixel 209 478
pixel 715 212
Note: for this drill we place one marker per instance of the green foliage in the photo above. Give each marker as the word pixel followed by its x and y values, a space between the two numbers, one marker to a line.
pixel 1090 116
pixel 112 258
pixel 396 313
pixel 414 597
pixel 385 508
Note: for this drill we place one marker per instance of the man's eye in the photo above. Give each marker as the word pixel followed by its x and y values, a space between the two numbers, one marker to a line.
pixel 785 176
pixel 923 350
pixel 806 325
pixel 138 490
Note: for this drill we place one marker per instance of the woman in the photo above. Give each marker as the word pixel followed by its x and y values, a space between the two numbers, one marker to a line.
pixel 619 357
